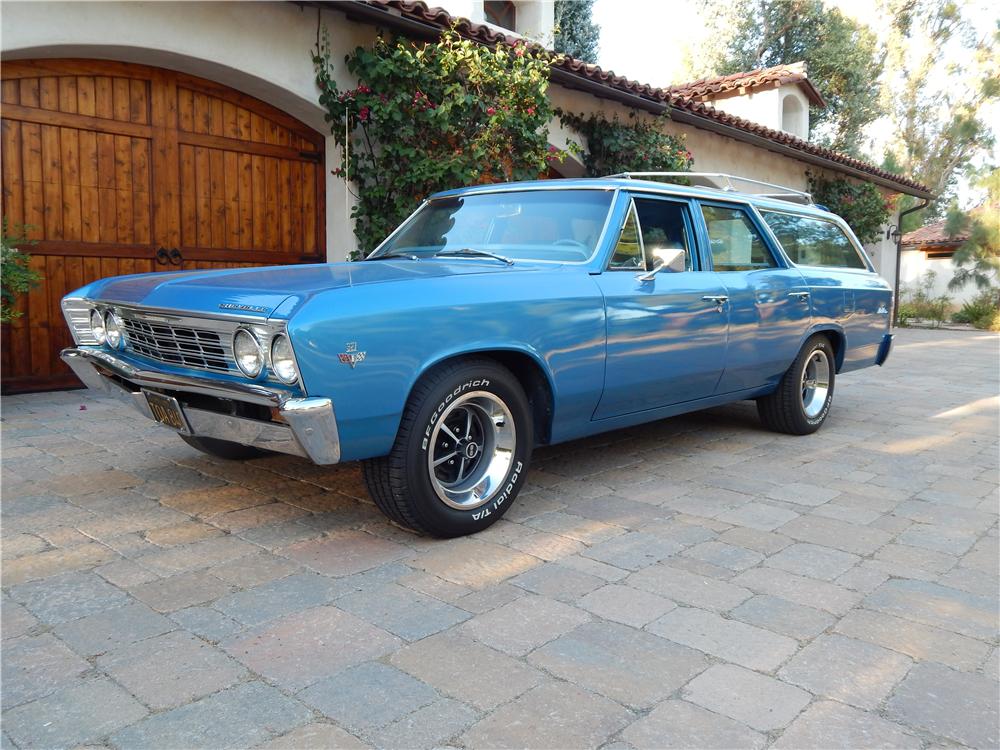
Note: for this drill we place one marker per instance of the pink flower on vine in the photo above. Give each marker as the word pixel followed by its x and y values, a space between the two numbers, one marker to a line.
pixel 530 110
pixel 363 114
pixel 491 111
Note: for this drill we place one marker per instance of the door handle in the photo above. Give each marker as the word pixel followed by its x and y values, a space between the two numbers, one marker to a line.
pixel 175 257
pixel 803 296
pixel 162 256
pixel 718 299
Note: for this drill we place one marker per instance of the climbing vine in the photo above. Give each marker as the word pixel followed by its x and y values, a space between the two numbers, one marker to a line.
pixel 432 116
pixel 632 145
pixel 860 204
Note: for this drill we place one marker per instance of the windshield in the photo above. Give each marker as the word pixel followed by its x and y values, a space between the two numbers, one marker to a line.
pixel 553 225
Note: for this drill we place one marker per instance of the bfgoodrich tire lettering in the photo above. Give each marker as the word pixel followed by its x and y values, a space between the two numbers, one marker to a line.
pixel 461 453
pixel 802 401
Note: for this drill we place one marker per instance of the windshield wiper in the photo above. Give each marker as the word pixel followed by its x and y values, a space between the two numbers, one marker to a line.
pixel 474 252
pixel 408 256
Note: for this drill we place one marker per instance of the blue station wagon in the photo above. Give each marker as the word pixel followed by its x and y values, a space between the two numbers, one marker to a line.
pixel 494 319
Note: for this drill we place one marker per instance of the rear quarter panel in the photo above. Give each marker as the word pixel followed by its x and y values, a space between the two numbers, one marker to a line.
pixel 556 316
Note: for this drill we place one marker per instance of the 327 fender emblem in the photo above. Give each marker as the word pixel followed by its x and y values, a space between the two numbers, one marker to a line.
pixel 352 356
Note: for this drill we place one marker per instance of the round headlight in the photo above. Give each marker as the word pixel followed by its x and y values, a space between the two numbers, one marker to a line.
pixel 112 331
pixel 246 350
pixel 282 359
pixel 97 326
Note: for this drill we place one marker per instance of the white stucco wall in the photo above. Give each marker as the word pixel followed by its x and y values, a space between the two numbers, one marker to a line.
pixel 766 107
pixel 914 266
pixel 262 49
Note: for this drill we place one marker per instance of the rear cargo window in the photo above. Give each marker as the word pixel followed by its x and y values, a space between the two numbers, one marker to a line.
pixel 813 242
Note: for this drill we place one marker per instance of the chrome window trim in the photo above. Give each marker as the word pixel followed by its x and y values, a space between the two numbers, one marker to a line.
pixel 631 211
pixel 836 221
pixel 598 246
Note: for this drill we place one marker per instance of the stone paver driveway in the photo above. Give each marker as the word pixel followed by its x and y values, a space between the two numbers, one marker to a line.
pixel 692 583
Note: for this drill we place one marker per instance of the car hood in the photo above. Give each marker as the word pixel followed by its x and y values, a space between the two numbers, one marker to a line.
pixel 274 291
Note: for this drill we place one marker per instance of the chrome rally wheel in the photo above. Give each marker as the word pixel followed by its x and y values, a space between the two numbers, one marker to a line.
pixel 472 446
pixel 815 383
pixel 462 451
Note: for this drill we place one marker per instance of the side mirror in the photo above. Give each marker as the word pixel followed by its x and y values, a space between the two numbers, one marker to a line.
pixel 672 259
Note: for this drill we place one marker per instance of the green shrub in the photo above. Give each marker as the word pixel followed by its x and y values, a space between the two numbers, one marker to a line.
pixel 16 276
pixel 983 311
pixel 918 303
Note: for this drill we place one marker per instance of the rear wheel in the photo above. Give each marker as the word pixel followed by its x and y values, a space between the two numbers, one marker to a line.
pixel 461 452
pixel 803 398
pixel 223 448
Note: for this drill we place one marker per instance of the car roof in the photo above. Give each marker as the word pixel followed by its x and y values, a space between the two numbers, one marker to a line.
pixel 639 185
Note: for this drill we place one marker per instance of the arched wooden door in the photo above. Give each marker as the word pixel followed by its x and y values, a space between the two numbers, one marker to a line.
pixel 120 168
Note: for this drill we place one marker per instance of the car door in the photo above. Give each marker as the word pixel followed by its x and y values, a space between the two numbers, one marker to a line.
pixel 846 292
pixel 769 302
pixel 666 332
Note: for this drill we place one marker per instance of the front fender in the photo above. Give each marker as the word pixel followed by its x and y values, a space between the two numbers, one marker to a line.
pixel 556 317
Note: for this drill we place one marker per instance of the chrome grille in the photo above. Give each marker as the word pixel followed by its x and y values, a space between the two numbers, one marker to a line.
pixel 178 344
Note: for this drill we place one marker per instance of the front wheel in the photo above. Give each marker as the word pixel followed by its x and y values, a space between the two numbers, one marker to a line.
pixel 461 453
pixel 803 398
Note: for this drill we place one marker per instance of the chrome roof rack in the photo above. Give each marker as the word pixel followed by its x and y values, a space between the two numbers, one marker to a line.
pixel 724 182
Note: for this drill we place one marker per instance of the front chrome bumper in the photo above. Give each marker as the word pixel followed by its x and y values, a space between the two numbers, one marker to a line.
pixel 310 424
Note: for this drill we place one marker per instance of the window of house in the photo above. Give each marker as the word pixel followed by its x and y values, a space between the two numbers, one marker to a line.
pixel 501 13
pixel 653 229
pixel 736 244
pixel 793 116
pixel 813 242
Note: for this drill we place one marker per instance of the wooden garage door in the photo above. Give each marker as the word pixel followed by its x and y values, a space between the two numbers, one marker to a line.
pixel 121 168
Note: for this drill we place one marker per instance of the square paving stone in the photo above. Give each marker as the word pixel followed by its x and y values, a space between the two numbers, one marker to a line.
pixel 939 538
pixel 34 666
pixel 554 715
pixel 402 611
pixel 68 596
pixel 783 616
pixel 627 665
pixel 749 697
pixel 15 620
pixel 586 530
pixel 626 605
pixel 829 532
pixel 106 631
pixel 282 597
pixel 206 623
pixel 759 516
pixel 956 705
pixel 833 725
pixel 679 725
pixel 300 649
pixel 80 714
pixel 851 671
pixel 171 669
pixel 524 624
pixel 472 563
pixel 461 668
pixel 557 581
pixel 806 591
pixel 254 570
pixel 634 550
pixel 921 642
pixel 726 639
pixel 315 736
pixel 689 588
pixel 938 606
pixel 813 561
pixel 368 696
pixel 618 511
pixel 428 727
pixel 724 555
pixel 180 591
pixel 239 717
pixel 344 552
pixel 201 554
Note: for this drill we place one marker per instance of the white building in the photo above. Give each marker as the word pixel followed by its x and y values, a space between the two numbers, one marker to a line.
pixel 162 135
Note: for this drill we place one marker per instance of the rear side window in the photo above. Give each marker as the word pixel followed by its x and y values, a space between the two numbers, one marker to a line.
pixel 813 242
pixel 736 244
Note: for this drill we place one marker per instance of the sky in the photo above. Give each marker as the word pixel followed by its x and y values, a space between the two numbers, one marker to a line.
pixel 649 40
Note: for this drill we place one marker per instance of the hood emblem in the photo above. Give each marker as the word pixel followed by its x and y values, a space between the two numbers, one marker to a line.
pixel 352 356
pixel 242 308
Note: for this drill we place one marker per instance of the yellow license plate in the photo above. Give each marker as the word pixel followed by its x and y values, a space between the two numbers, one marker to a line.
pixel 166 411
